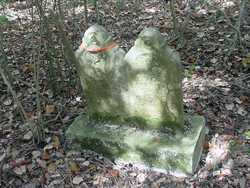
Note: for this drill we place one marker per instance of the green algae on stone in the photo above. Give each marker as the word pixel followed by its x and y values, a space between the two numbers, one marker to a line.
pixel 138 122
pixel 135 107
pixel 144 84
pixel 155 89
pixel 180 152
pixel 3 20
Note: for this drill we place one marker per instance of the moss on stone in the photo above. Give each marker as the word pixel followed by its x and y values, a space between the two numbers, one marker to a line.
pixel 143 85
pixel 174 152
pixel 138 122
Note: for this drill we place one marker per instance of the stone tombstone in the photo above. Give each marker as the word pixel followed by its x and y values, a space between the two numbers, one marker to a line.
pixel 134 104
pixel 155 76
pixel 101 62
pixel 145 86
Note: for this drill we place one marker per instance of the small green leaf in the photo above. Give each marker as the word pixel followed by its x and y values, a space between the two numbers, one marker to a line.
pixel 247 134
pixel 3 20
pixel 119 4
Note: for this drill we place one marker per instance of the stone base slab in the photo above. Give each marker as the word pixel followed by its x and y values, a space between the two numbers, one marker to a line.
pixel 176 152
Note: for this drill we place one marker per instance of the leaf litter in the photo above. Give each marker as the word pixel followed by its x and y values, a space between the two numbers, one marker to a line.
pixel 215 88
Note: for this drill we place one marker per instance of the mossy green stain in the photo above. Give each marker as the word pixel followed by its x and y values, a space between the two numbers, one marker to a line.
pixel 107 85
pixel 138 122
pixel 154 148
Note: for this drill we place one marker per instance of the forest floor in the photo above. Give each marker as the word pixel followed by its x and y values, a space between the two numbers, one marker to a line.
pixel 216 85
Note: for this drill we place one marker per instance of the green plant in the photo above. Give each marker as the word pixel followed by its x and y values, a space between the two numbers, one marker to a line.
pixel 189 72
pixel 3 20
pixel 119 4
pixel 3 2
pixel 247 134
pixel 92 2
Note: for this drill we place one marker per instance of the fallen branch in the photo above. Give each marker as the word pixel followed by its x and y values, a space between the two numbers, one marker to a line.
pixel 13 93
pixel 237 35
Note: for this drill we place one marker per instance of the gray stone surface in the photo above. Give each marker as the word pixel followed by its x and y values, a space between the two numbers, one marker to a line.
pixel 177 152
pixel 135 108
pixel 154 91
pixel 144 86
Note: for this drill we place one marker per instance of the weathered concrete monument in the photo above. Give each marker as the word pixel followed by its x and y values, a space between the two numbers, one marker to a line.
pixel 134 104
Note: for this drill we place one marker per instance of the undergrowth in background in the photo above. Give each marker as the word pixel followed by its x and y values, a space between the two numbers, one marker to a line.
pixel 39 37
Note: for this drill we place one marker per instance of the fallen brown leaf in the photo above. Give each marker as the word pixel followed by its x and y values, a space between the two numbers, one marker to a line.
pixel 51 167
pixel 244 99
pixel 56 142
pixel 42 163
pixel 74 167
pixel 50 109
pixel 114 173
pixel 28 68
pixel 45 155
